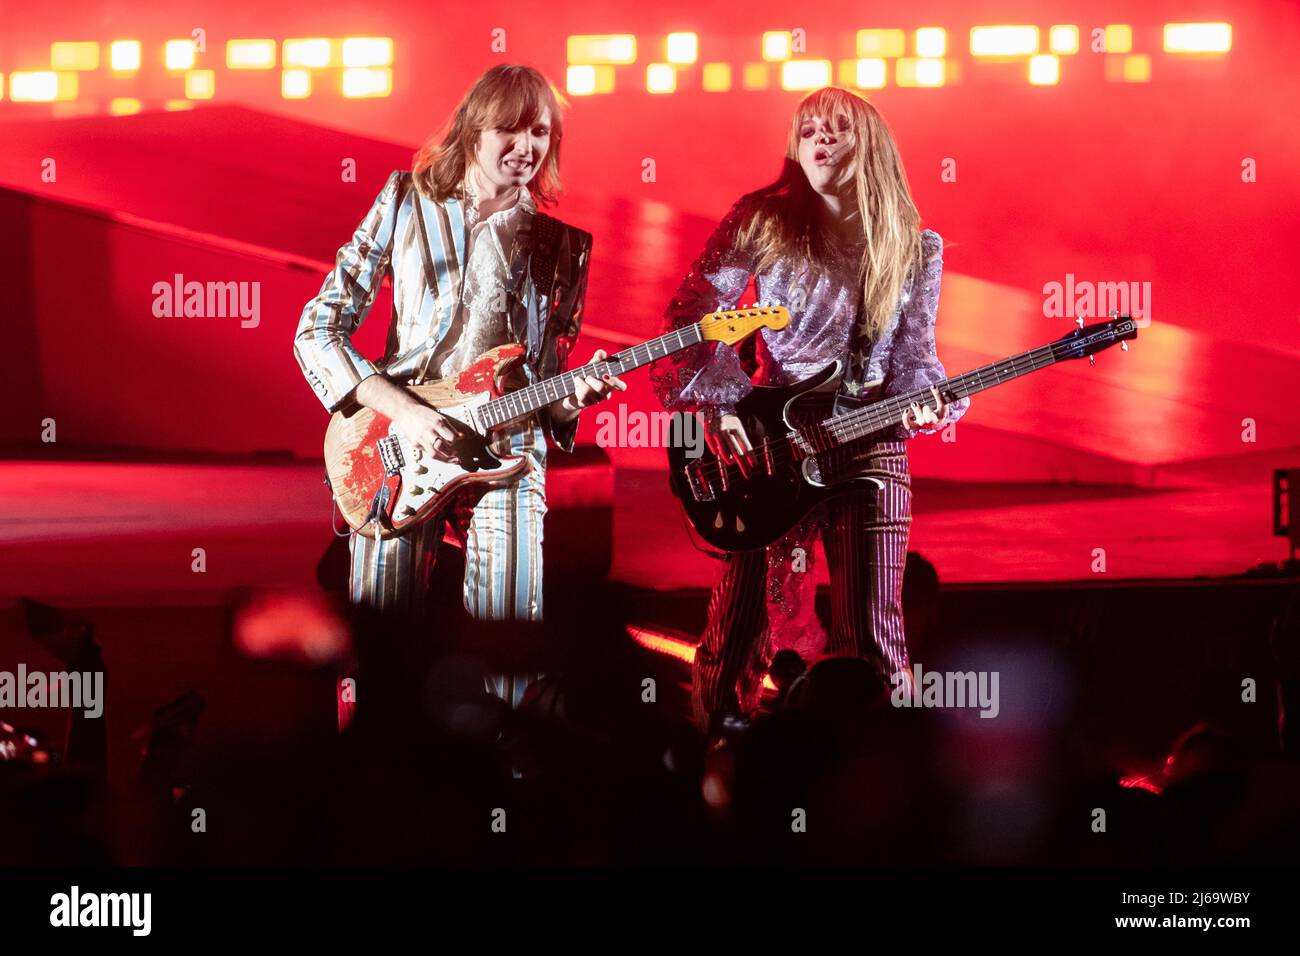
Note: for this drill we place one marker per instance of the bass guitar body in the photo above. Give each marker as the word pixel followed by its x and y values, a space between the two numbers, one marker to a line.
pixel 741 515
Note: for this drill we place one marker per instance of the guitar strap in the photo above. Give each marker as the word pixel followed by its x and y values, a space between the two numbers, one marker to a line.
pixel 546 241
pixel 852 392
pixel 543 259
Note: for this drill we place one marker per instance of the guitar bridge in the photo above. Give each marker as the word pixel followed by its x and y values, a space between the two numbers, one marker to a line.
pixel 390 455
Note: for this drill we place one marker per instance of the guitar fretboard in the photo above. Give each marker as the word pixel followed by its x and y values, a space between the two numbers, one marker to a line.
pixel 889 412
pixel 529 399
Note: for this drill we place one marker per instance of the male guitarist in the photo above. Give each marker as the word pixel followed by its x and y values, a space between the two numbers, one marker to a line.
pixel 474 265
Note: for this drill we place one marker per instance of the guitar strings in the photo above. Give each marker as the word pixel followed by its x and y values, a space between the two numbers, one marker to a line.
pixel 537 394
pixel 781 450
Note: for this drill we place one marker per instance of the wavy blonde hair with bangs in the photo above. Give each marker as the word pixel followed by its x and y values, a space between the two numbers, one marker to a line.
pixel 505 97
pixel 784 222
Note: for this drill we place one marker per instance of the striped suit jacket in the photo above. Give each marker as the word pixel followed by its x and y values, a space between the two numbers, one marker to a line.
pixel 420 245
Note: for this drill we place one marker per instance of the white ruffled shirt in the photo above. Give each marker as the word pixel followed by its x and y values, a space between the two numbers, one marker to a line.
pixel 481 321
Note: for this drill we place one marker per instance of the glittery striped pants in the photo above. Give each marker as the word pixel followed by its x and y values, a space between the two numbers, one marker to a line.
pixel 501 527
pixel 864 532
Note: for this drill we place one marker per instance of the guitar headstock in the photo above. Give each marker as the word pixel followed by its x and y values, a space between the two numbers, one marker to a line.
pixel 735 325
pixel 1087 340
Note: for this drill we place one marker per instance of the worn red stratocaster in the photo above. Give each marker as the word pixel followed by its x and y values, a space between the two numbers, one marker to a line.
pixel 384 486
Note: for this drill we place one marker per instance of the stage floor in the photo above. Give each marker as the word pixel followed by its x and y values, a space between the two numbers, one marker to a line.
pixel 103 533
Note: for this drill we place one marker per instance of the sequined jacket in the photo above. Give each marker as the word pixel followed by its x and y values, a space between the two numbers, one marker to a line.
pixel 823 303
pixel 420 244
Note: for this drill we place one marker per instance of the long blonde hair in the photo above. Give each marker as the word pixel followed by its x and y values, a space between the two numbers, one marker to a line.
pixel 505 97
pixel 784 223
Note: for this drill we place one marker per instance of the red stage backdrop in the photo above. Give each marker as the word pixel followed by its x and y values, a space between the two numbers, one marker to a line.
pixel 1075 143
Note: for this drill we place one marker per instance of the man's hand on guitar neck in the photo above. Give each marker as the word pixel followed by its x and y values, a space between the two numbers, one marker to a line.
pixel 588 390
pixel 418 423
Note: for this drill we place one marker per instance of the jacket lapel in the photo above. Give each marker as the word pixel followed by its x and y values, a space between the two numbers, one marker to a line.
pixel 442 231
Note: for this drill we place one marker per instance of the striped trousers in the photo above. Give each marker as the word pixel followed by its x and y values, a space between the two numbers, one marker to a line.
pixel 864 532
pixel 500 524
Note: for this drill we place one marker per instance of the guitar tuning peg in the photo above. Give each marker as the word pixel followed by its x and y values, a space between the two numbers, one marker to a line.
pixel 1079 321
pixel 1092 360
pixel 1123 346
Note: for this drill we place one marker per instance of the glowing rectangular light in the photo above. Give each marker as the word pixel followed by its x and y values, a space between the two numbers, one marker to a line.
pixel 660 78
pixel 179 54
pixel 584 79
pixel 42 86
pixel 313 53
pixel 805 74
pixel 124 55
pixel 1119 38
pixel 74 55
pixel 295 84
pixel 716 77
pixel 367 51
pixel 913 71
pixel 1137 68
pixel 1063 38
pixel 1198 37
pixel 580 80
pixel 362 83
pixel 1003 41
pixel 1128 68
pixel 173 106
pixel 124 106
pixel 777 45
pixel 594 49
pixel 755 76
pixel 250 54
pixel 200 84
pixel 682 48
pixel 872 74
pixel 931 41
pixel 1044 70
pixel 878 43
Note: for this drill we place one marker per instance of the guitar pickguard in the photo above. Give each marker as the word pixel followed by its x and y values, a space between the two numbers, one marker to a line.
pixel 424 480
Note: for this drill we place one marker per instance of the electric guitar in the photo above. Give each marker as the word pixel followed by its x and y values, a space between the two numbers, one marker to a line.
pixel 383 485
pixel 803 457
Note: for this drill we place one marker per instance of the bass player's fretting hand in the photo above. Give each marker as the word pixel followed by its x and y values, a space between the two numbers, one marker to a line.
pixel 920 416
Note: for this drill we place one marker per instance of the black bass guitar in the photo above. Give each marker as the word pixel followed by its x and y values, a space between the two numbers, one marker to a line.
pixel 803 457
